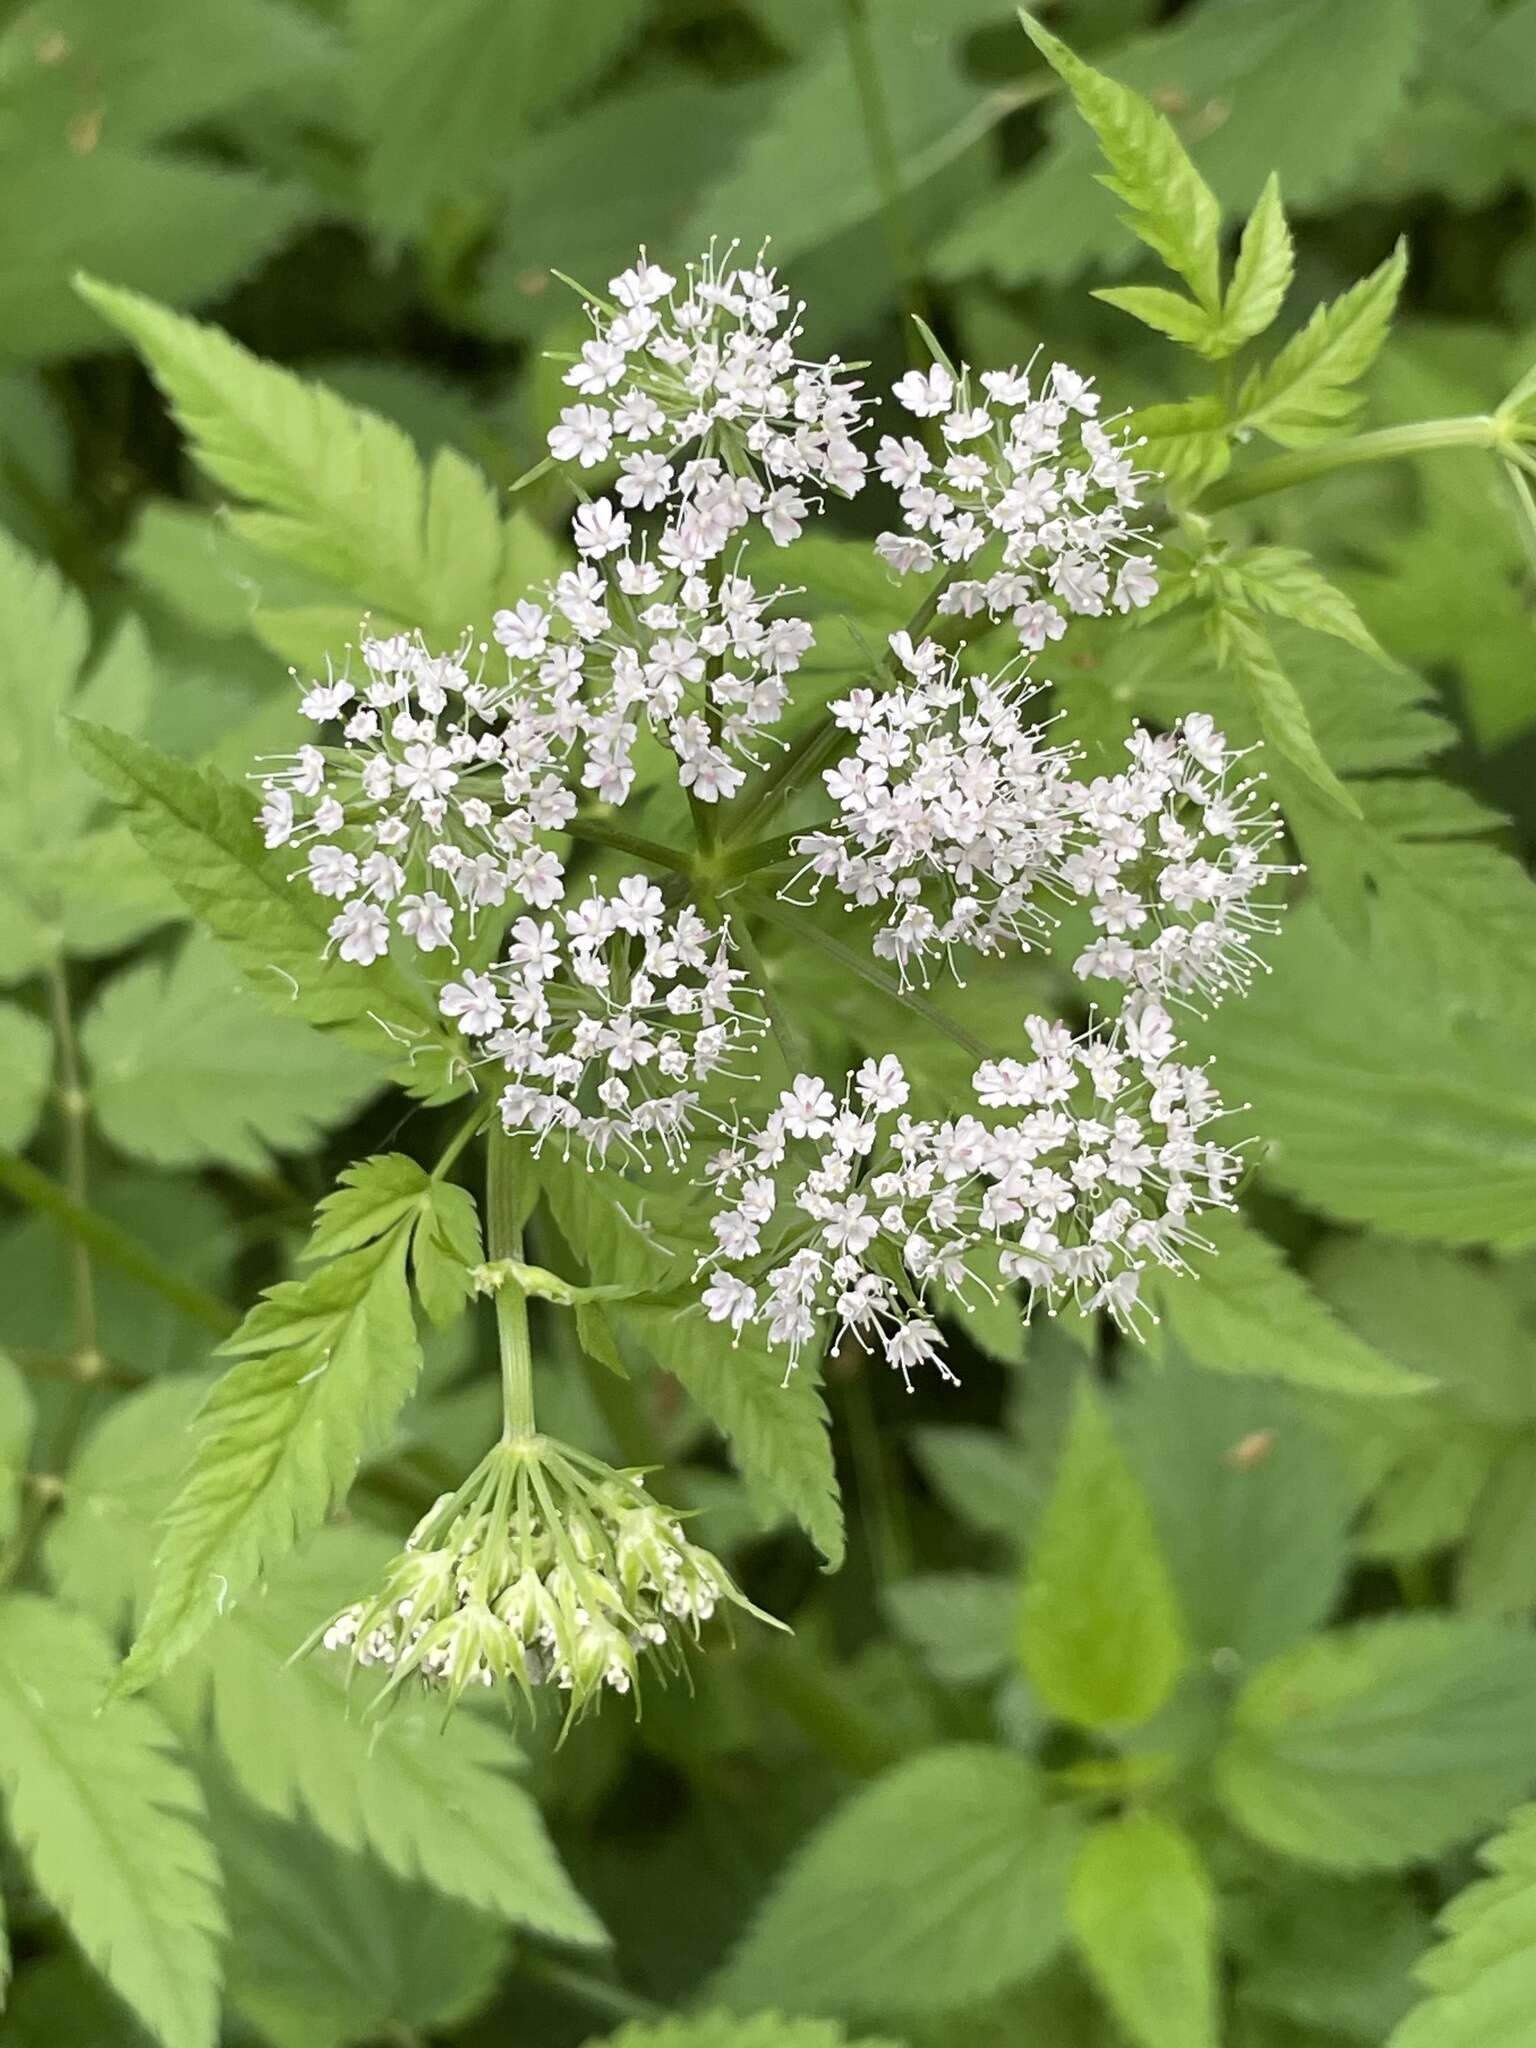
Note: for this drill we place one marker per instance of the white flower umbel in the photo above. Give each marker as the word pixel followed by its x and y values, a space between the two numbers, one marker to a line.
pixel 1171 859
pixel 954 813
pixel 427 804
pixel 545 1569
pixel 1102 1169
pixel 847 1213
pixel 695 388
pixel 1030 487
pixel 610 1015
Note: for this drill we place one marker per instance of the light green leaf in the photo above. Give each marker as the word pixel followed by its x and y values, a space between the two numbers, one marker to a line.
pixel 1101 1637
pixel 1143 1911
pixel 1480 1983
pixel 725 2030
pixel 1289 584
pixel 197 828
pixel 26 1058
pixel 1382 1743
pixel 937 1885
pixel 1171 208
pixel 330 486
pixel 981 1477
pixel 1261 276
pixel 109 1822
pixel 1251 1503
pixel 326 1364
pixel 328 1949
pixel 17 1415
pixel 1242 648
pixel 187 1067
pixel 1187 443
pixel 1169 313
pixel 1247 1311
pixel 1305 394
pixel 1378 1104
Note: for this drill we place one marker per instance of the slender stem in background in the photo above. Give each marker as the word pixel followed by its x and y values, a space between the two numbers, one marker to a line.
pixel 73 1114
pixel 1386 444
pixel 113 1245
pixel 839 1725
pixel 890 1547
pixel 592 1991
pixel 599 832
pixel 504 1231
pixel 876 116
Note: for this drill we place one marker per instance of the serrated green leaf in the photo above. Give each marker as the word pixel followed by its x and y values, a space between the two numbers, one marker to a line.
pixel 1382 1743
pixel 328 1949
pixel 1187 443
pixel 1306 393
pixel 1172 209
pixel 1245 650
pixel 187 1067
pixel 1480 1982
pixel 1143 1913
pixel 1261 275
pixel 369 1198
pixel 330 486
pixel 1378 1104
pixel 1169 313
pixel 1287 583
pixel 326 1363
pixel 1247 1311
pixel 109 1822
pixel 1101 1637
pixel 26 1059
pixel 933 1887
pixel 197 828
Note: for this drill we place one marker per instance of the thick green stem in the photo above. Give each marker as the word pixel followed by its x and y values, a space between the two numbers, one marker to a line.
pixel 504 1231
pixel 1386 444
pixel 599 832
pixel 114 1246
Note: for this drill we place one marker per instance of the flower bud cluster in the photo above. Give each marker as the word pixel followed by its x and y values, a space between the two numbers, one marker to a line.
pixel 546 1569
pixel 610 1015
pixel 851 1214
pixel 1025 462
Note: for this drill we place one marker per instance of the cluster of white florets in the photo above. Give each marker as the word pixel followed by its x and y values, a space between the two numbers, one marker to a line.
pixel 846 1214
pixel 696 390
pixel 972 830
pixel 1026 464
pixel 700 661
pixel 610 1015
pixel 545 1569
pixel 429 807
pixel 1170 855
pixel 953 810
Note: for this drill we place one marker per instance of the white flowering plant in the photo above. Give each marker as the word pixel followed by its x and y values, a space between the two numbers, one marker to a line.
pixel 838 909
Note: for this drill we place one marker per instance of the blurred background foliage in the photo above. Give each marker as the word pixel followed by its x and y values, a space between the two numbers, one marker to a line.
pixel 1313 1603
